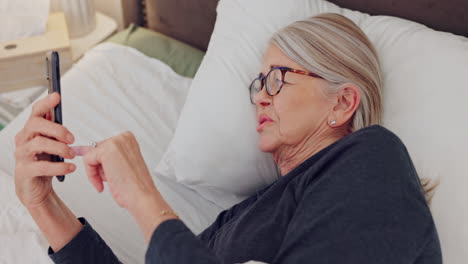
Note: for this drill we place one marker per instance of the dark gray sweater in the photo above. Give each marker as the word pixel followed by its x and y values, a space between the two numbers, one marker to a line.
pixel 358 201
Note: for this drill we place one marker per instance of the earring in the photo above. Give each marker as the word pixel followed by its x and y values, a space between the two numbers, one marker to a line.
pixel 332 122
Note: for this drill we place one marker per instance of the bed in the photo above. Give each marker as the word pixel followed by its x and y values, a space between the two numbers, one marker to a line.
pixel 104 96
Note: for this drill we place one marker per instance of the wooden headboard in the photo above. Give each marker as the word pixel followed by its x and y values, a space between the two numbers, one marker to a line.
pixel 187 20
pixel 192 21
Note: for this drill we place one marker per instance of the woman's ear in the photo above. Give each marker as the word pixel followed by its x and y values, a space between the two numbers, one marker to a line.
pixel 345 101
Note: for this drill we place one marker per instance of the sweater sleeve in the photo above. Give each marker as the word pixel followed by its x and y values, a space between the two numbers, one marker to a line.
pixel 86 247
pixel 368 207
pixel 226 216
pixel 172 242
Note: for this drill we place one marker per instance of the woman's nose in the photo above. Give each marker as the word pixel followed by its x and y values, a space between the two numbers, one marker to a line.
pixel 262 98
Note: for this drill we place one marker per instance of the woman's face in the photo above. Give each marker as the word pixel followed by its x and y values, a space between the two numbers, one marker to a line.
pixel 298 113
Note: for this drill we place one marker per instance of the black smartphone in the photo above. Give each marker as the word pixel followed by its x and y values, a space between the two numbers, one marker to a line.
pixel 53 78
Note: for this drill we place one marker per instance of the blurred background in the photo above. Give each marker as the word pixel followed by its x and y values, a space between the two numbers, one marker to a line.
pixel 28 24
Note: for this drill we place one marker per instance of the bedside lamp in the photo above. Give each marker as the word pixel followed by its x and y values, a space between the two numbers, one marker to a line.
pixel 80 16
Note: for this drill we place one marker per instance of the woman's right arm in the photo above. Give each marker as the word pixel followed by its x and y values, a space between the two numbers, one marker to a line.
pixel 33 183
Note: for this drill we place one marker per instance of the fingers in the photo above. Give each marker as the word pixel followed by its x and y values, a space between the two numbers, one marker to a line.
pixel 47 168
pixel 40 123
pixel 94 169
pixel 94 177
pixel 41 144
pixel 40 126
pixel 43 106
pixel 48 116
pixel 81 150
pixel 47 128
pixel 91 158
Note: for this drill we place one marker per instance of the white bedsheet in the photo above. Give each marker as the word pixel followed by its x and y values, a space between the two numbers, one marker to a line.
pixel 111 90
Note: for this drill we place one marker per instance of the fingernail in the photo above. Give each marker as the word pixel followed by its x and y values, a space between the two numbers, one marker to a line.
pixel 72 153
pixel 77 150
pixel 72 167
pixel 70 138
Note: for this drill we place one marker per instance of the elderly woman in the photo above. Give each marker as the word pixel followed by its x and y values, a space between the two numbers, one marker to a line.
pixel 349 192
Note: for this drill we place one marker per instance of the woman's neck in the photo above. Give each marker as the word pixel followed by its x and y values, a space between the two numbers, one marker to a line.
pixel 290 156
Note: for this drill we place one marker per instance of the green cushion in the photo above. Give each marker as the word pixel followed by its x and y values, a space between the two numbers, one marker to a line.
pixel 182 58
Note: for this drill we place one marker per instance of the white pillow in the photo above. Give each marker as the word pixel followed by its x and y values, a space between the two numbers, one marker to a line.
pixel 214 149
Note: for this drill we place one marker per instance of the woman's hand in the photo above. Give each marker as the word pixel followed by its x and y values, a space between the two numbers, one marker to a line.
pixel 33 173
pixel 118 161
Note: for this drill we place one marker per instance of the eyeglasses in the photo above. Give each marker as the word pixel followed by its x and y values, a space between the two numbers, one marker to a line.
pixel 274 80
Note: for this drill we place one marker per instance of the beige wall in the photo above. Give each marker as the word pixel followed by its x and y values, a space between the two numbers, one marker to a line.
pixel 123 11
pixel 55 5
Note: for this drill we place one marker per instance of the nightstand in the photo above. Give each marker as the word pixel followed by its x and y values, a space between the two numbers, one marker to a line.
pixel 22 62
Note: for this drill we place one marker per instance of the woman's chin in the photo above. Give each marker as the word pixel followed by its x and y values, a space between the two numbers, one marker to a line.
pixel 266 145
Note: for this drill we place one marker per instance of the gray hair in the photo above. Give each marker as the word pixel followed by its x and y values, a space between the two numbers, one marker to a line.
pixel 335 48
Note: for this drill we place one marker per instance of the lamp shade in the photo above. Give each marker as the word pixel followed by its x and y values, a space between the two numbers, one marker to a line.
pixel 80 16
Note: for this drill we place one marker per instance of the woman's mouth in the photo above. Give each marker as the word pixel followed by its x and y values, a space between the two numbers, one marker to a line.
pixel 263 120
